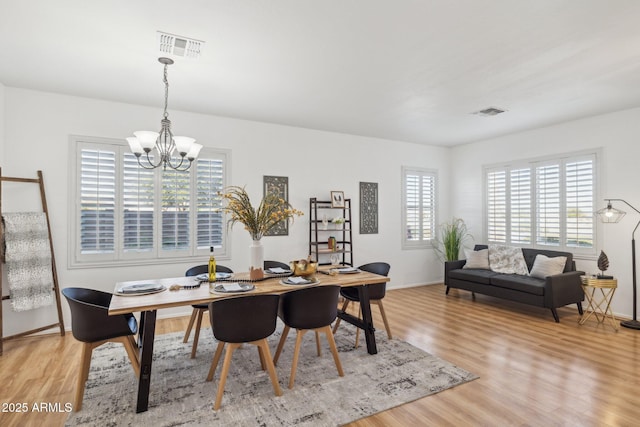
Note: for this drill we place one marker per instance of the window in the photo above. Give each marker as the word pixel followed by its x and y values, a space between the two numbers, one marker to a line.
pixel 418 207
pixel 129 214
pixel 543 203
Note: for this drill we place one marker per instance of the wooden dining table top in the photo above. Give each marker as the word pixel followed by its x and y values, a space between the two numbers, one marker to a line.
pixel 121 304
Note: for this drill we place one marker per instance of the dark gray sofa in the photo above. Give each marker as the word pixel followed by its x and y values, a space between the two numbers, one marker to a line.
pixel 551 292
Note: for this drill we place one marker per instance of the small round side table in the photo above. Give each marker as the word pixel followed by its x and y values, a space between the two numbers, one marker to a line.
pixel 599 304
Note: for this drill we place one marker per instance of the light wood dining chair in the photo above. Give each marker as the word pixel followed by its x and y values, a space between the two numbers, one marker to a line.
pixel 199 309
pixel 92 325
pixel 309 309
pixel 376 294
pixel 234 321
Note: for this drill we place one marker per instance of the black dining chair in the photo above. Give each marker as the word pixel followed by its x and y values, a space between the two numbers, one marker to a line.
pixel 275 264
pixel 247 319
pixel 308 309
pixel 199 309
pixel 376 294
pixel 92 325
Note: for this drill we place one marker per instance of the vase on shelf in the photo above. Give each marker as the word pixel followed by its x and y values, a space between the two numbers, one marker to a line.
pixel 256 271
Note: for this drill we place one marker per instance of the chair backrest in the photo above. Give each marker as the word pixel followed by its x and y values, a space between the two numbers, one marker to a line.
pixel 244 319
pixel 276 264
pixel 378 290
pixel 309 308
pixel 90 320
pixel 204 268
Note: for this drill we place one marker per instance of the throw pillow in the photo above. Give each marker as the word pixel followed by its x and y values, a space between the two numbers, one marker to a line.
pixel 507 259
pixel 544 266
pixel 477 259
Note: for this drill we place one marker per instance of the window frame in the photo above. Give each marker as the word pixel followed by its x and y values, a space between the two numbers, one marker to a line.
pixel 120 257
pixel 532 164
pixel 423 243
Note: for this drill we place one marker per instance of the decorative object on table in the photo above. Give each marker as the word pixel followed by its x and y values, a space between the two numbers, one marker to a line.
pixel 325 222
pixel 185 398
pixel 304 268
pixel 603 265
pixel 279 187
pixel 368 208
pixel 257 221
pixel 331 243
pixel 337 199
pixel 451 239
pixel 612 215
pixel 338 222
pixel 164 142
pixel 211 268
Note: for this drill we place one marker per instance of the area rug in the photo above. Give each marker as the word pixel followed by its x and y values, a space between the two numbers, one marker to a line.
pixel 398 374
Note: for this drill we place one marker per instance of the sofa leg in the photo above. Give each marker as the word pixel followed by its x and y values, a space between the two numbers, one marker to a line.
pixel 555 315
pixel 446 292
pixel 580 309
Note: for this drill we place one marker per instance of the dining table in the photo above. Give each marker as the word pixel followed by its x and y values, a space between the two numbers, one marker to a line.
pixel 188 293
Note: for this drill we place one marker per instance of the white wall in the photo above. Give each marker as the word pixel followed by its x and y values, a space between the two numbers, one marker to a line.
pixel 2 139
pixel 616 133
pixel 38 125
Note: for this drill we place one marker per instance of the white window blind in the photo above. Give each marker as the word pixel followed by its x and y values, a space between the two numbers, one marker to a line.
pixel 97 201
pixel 543 203
pixel 127 214
pixel 419 199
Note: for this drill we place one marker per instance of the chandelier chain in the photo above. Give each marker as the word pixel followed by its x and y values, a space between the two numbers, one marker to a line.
pixel 166 91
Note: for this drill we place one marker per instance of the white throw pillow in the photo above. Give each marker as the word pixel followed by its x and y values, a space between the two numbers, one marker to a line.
pixel 544 266
pixel 507 259
pixel 477 259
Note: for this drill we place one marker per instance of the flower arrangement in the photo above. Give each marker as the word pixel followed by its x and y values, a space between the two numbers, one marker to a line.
pixel 338 220
pixel 257 221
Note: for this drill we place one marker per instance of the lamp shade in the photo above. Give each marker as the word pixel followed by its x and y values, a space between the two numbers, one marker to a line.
pixel 194 151
pixel 147 139
pixel 183 144
pixel 610 214
pixel 134 145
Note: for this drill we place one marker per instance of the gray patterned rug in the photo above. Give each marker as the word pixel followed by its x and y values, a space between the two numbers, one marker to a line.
pixel 398 374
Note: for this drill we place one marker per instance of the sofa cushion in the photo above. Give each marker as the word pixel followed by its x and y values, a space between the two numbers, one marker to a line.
pixel 507 259
pixel 471 275
pixel 530 257
pixel 528 284
pixel 477 259
pixel 544 266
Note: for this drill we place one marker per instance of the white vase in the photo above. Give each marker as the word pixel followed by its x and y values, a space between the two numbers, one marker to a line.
pixel 257 260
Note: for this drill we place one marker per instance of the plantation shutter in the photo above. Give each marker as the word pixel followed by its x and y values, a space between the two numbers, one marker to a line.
pixel 138 206
pixel 520 206
pixel 548 205
pixel 175 209
pixel 497 206
pixel 209 183
pixel 97 201
pixel 580 190
pixel 419 206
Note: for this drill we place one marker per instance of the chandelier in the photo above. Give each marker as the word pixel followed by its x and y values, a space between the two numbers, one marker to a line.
pixel 164 142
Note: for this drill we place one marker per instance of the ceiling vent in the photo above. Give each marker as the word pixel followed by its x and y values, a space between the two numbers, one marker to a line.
pixel 491 111
pixel 170 44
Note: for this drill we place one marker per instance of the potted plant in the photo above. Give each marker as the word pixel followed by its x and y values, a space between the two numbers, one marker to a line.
pixel 451 238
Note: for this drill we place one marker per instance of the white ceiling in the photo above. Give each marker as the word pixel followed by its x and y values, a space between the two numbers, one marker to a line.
pixel 410 70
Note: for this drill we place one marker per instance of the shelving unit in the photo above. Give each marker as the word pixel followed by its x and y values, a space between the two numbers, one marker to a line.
pixel 319 236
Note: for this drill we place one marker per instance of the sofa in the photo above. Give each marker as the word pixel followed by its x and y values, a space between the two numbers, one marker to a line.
pixel 550 292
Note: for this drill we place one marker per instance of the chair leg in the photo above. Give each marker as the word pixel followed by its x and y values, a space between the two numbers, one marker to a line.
pixel 223 375
pixel 296 354
pixel 216 359
pixel 334 349
pixel 132 351
pixel 285 332
pixel 384 317
pixel 85 362
pixel 357 344
pixel 344 308
pixel 261 355
pixel 318 344
pixel 196 335
pixel 263 346
pixel 194 313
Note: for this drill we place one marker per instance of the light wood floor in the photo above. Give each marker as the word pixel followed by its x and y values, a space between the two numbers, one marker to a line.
pixel 533 371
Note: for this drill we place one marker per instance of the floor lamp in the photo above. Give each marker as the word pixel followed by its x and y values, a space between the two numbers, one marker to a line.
pixel 611 214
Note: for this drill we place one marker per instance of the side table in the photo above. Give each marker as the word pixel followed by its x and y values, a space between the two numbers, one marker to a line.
pixel 599 304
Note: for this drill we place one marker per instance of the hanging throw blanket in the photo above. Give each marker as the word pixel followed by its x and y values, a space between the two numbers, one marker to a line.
pixel 28 258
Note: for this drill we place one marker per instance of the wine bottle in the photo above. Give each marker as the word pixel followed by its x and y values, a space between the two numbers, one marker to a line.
pixel 212 267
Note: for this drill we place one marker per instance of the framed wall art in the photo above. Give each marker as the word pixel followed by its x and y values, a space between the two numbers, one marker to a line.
pixel 278 185
pixel 368 208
